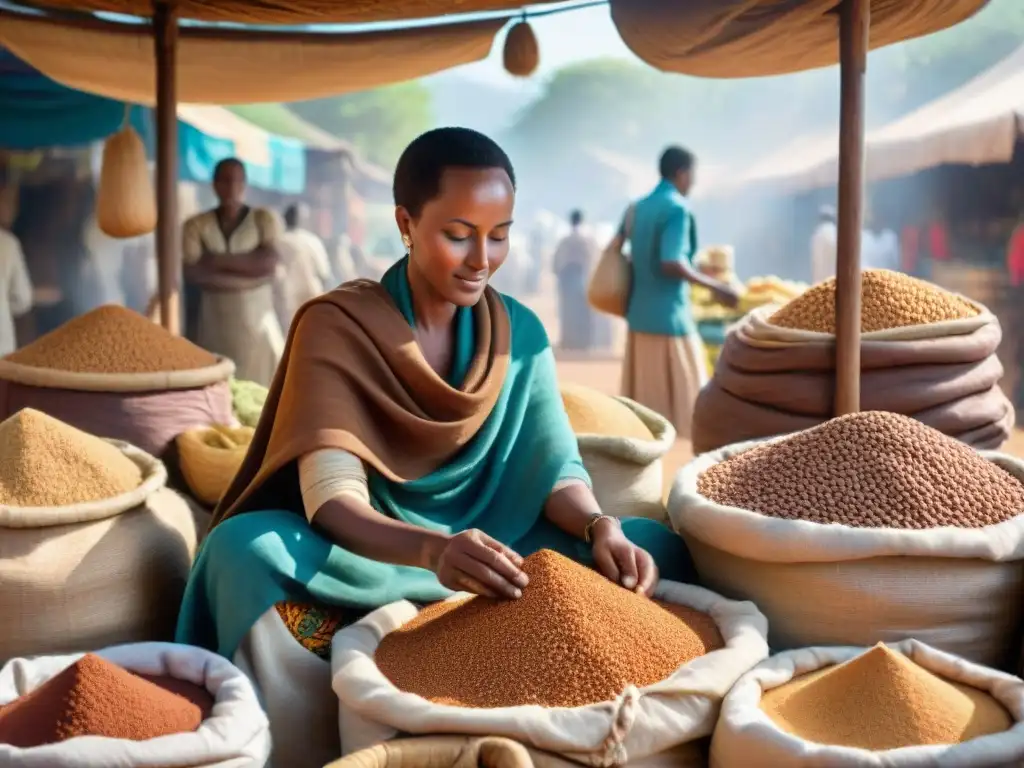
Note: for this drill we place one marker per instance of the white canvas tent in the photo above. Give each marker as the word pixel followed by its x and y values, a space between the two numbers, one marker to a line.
pixel 979 123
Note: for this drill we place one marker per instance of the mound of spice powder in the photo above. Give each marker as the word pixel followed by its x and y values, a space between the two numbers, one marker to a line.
pixel 112 339
pixel 883 700
pixel 94 697
pixel 888 300
pixel 868 470
pixel 573 638
pixel 47 463
pixel 595 413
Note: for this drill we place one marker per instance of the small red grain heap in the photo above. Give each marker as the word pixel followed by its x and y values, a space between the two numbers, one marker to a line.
pixel 94 697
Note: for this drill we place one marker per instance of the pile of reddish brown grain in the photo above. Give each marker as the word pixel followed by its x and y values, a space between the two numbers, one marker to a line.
pixel 868 470
pixel 888 300
pixel 94 697
pixel 883 700
pixel 47 463
pixel 595 413
pixel 573 638
pixel 112 339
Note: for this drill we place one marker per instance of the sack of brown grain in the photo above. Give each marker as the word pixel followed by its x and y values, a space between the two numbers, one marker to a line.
pixel 95 690
pixel 622 445
pixel 901 705
pixel 487 752
pixel 94 550
pixel 867 528
pixel 572 638
pixel 113 372
pixel 770 381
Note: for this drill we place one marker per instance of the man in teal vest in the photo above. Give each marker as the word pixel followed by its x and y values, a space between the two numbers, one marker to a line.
pixel 664 366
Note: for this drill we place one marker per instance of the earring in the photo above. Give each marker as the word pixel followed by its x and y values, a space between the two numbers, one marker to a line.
pixel 407 242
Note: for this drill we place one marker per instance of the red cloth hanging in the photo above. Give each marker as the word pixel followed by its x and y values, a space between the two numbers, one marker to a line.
pixel 1015 257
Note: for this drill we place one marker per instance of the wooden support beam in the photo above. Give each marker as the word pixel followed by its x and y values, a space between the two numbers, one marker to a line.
pixel 854 24
pixel 168 247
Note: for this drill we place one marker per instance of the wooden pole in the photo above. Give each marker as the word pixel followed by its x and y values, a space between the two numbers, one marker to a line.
pixel 854 23
pixel 168 249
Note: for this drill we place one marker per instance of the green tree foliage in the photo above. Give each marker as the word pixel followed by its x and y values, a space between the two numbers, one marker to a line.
pixel 379 122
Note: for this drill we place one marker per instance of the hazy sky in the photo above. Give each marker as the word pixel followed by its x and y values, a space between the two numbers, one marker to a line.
pixel 564 37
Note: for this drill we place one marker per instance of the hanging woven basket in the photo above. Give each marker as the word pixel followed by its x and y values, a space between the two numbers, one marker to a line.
pixel 125 200
pixel 522 52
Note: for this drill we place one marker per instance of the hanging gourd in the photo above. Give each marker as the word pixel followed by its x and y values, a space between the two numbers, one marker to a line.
pixel 125 200
pixel 522 53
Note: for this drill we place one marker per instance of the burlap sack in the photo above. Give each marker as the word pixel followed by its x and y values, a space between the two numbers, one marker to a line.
pixel 642 722
pixel 235 735
pixel 91 575
pixel 489 752
pixel 770 381
pixel 147 410
pixel 956 589
pixel 628 475
pixel 612 281
pixel 746 737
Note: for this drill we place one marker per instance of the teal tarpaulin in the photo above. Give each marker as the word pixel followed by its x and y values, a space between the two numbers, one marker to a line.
pixel 38 113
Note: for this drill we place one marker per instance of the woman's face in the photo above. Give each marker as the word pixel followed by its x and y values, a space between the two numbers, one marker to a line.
pixel 461 236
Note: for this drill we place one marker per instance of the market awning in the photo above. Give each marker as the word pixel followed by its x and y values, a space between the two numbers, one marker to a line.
pixel 39 113
pixel 207 135
pixel 755 38
pixel 239 66
pixel 977 124
pixel 371 181
pixel 304 11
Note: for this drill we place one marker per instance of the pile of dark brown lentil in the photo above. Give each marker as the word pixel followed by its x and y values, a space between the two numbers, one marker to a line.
pixel 868 470
pixel 573 638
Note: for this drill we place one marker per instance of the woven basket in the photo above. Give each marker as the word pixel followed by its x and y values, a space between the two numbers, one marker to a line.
pixel 627 473
pixel 210 458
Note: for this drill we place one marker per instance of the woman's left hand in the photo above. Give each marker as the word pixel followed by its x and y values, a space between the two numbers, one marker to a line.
pixel 621 561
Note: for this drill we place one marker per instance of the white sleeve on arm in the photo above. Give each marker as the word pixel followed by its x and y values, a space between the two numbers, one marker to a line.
pixel 20 287
pixel 329 473
pixel 191 242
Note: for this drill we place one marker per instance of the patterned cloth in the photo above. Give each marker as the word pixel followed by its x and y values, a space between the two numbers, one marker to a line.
pixel 313 626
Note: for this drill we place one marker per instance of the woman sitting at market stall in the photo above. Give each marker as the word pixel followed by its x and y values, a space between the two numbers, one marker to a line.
pixel 414 439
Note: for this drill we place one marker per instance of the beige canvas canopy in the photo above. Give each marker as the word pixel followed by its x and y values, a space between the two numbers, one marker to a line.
pixel 233 66
pixel 754 38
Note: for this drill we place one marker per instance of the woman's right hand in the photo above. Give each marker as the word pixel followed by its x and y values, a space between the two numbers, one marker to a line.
pixel 472 561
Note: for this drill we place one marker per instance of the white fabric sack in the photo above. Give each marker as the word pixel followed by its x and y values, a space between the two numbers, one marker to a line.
pixel 640 723
pixel 747 738
pixel 294 687
pixel 628 474
pixel 956 589
pixel 236 735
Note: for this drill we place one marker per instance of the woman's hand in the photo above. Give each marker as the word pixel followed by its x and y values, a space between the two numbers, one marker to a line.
pixel 472 561
pixel 622 561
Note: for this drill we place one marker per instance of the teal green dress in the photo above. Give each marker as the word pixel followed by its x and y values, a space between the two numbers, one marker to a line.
pixel 497 483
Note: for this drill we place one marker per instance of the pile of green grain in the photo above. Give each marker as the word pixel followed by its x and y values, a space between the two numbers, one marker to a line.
pixel 888 300
pixel 595 413
pixel 112 339
pixel 573 638
pixel 47 463
pixel 868 470
pixel 883 700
